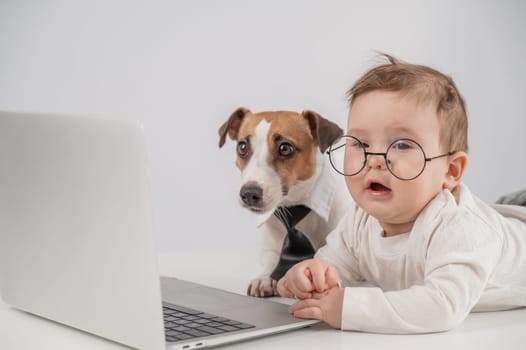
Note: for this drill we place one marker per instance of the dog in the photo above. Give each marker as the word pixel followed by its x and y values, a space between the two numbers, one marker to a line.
pixel 281 158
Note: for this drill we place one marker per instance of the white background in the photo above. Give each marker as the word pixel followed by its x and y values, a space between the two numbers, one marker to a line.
pixel 183 66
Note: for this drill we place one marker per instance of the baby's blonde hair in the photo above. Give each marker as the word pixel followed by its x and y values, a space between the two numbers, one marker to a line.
pixel 428 86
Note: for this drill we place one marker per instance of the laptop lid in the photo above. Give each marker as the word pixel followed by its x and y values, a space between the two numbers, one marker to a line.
pixel 70 187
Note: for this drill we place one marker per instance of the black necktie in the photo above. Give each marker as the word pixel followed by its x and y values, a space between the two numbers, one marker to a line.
pixel 296 246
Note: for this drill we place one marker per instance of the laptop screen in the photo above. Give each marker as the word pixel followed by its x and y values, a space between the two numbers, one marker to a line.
pixel 76 234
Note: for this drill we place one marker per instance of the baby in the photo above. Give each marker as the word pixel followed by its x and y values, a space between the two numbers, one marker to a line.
pixel 418 251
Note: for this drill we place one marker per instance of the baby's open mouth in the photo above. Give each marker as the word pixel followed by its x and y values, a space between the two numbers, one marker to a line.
pixel 378 187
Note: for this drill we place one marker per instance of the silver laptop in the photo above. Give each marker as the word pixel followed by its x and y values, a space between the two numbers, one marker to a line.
pixel 77 244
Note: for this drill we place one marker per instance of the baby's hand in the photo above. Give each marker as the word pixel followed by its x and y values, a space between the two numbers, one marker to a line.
pixel 308 277
pixel 326 306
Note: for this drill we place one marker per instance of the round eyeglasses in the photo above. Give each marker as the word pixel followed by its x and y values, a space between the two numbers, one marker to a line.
pixel 404 158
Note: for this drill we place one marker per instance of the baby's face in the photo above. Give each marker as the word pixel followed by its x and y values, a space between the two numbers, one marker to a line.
pixel 377 119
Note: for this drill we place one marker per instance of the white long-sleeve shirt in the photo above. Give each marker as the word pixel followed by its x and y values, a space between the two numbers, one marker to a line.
pixel 461 255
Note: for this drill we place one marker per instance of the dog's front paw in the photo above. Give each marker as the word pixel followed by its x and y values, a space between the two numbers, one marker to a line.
pixel 262 287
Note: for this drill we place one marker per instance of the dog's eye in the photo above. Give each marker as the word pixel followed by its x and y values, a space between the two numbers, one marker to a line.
pixel 242 149
pixel 286 149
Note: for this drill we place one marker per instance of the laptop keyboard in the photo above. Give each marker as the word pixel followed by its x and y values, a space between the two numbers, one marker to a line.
pixel 181 323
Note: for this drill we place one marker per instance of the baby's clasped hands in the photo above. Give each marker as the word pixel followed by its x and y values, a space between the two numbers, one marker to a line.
pixel 316 282
pixel 307 278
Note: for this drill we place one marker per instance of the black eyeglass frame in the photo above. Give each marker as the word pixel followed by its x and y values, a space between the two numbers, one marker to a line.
pixel 384 154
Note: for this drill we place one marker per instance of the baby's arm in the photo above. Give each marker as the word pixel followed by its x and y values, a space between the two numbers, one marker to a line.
pixel 457 262
pixel 457 266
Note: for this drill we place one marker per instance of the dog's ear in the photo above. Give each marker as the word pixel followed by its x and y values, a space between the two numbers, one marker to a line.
pixel 231 126
pixel 323 130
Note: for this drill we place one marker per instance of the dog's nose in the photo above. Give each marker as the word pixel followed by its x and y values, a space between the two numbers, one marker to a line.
pixel 251 195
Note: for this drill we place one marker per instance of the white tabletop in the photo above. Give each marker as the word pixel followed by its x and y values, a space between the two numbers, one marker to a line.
pixel 231 271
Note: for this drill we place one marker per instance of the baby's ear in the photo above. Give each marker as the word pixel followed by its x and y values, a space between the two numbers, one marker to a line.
pixel 456 166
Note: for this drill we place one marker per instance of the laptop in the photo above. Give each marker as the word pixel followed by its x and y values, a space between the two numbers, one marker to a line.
pixel 77 244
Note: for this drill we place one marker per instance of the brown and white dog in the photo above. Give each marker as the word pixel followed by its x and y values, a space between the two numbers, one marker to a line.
pixel 282 163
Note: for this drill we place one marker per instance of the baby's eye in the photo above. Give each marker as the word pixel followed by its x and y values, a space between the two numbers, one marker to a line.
pixel 355 143
pixel 403 145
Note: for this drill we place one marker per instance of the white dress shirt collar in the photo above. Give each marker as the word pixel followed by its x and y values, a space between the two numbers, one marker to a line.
pixel 320 198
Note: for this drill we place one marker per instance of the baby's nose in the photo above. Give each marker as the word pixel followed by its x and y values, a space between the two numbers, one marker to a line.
pixel 376 161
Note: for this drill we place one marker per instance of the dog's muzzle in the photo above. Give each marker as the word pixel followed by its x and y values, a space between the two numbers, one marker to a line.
pixel 251 195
